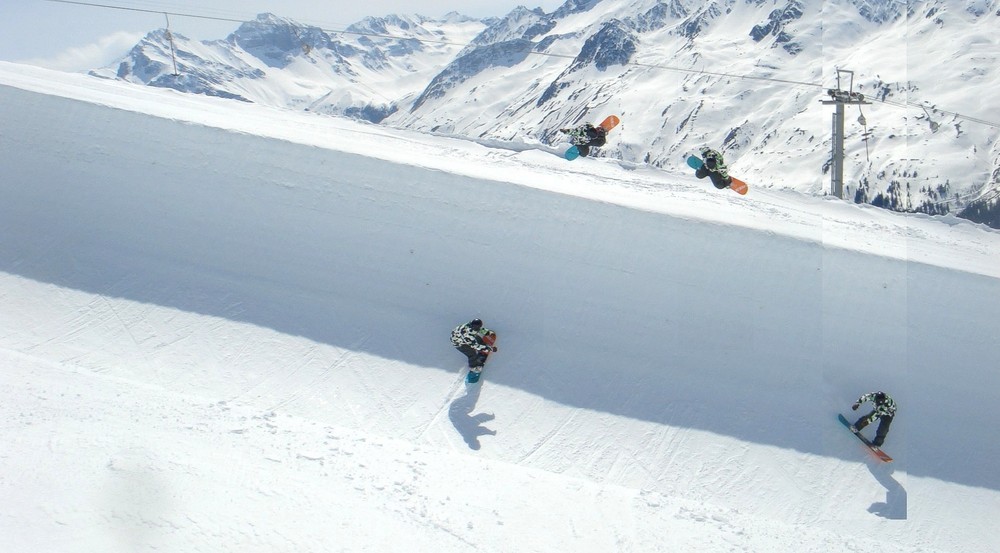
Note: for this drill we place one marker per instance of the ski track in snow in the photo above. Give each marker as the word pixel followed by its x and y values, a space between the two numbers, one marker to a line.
pixel 236 343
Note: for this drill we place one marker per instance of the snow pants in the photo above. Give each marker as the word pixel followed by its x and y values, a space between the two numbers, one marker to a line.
pixel 718 180
pixel 476 358
pixel 883 426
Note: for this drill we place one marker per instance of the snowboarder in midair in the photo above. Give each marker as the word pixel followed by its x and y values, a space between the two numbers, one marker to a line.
pixel 469 339
pixel 587 136
pixel 884 410
pixel 714 166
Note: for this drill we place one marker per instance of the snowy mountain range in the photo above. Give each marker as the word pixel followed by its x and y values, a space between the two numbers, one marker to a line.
pixel 745 76
pixel 278 62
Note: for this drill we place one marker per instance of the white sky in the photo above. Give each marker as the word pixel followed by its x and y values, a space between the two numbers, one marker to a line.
pixel 75 37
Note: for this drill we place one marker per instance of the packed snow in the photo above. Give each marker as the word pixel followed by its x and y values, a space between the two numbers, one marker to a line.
pixel 225 328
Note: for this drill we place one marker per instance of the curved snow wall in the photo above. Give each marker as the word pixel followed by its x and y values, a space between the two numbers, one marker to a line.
pixel 680 322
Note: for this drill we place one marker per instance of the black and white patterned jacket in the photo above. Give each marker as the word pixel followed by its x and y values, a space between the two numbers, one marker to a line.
pixel 587 135
pixel 465 335
pixel 717 163
pixel 886 407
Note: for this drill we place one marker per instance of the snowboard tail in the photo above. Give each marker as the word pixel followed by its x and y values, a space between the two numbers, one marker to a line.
pixel 610 122
pixel 877 451
pixel 737 185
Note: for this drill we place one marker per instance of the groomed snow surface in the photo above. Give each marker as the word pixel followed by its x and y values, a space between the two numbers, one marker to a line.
pixel 225 327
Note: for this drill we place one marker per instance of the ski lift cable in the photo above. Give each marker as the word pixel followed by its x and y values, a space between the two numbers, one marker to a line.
pixel 906 104
pixel 238 20
pixel 145 10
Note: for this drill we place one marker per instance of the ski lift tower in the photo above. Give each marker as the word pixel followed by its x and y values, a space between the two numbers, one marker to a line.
pixel 841 98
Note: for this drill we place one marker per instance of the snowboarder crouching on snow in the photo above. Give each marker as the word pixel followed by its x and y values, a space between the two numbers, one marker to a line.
pixel 587 136
pixel 715 167
pixel 885 409
pixel 468 339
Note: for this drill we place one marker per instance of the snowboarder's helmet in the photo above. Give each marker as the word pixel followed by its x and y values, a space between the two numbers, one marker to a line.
pixel 476 324
pixel 880 397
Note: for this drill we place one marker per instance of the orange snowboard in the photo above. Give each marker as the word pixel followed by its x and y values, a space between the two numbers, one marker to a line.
pixel 610 122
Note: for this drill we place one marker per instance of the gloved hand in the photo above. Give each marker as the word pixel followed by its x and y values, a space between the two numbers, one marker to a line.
pixel 855 406
pixel 493 348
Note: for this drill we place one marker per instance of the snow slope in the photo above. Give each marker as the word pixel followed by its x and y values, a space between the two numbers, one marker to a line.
pixel 225 327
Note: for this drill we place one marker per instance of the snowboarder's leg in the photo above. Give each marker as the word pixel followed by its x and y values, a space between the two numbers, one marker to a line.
pixel 883 430
pixel 719 182
pixel 863 421
pixel 471 353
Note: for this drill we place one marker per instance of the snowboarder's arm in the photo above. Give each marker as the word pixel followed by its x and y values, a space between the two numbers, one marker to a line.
pixel 484 349
pixel 482 344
